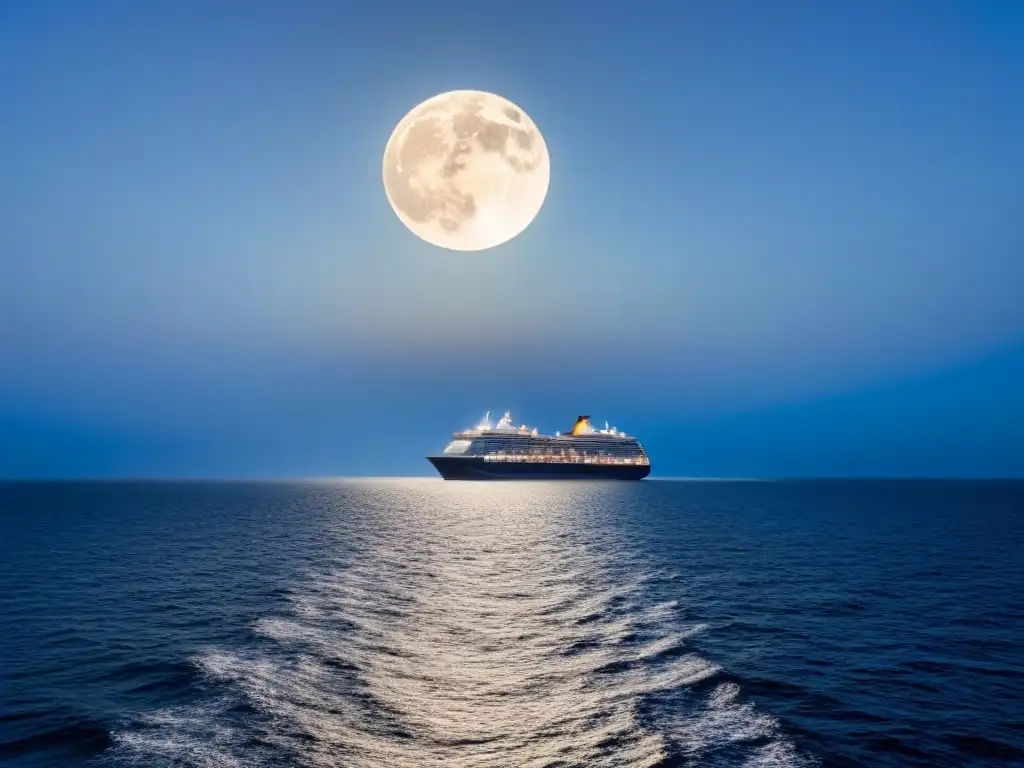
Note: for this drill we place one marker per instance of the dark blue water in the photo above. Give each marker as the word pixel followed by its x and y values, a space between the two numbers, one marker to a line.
pixel 418 623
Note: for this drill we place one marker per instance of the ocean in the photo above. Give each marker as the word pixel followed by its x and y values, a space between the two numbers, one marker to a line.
pixel 413 622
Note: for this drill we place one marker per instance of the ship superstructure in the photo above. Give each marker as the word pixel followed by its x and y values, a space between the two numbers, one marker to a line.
pixel 506 451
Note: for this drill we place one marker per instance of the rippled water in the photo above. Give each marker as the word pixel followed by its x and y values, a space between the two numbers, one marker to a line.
pixel 417 623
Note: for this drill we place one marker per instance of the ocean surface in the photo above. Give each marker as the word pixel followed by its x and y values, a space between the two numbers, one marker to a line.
pixel 399 623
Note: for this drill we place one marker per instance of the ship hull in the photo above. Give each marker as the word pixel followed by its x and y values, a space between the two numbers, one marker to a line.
pixel 476 468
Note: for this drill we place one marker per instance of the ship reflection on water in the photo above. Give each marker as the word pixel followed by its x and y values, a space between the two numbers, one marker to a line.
pixel 475 625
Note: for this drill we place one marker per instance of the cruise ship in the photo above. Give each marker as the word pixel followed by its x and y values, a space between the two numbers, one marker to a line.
pixel 504 451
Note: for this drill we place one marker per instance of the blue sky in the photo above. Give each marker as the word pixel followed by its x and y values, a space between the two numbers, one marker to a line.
pixel 780 239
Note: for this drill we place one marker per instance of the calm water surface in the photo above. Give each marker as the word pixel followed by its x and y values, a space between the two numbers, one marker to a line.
pixel 421 623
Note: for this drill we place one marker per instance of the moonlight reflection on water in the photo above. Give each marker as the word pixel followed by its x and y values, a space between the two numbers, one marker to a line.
pixel 467 625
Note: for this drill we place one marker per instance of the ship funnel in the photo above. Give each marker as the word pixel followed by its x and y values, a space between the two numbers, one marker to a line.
pixel 582 426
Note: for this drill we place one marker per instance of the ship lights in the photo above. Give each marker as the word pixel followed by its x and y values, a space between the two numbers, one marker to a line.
pixel 582 428
pixel 555 458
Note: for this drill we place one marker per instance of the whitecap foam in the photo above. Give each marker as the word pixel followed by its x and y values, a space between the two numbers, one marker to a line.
pixel 463 643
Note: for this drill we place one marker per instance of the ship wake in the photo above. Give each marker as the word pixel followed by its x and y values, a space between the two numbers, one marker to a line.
pixel 467 641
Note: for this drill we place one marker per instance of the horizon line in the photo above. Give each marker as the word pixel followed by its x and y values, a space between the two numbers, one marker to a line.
pixel 655 478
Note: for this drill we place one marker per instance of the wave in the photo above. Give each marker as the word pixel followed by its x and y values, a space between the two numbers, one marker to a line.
pixel 466 644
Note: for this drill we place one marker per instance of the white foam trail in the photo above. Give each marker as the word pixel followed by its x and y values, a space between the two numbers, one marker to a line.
pixel 453 639
pixel 191 737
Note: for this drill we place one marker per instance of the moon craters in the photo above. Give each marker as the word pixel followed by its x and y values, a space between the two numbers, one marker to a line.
pixel 466 170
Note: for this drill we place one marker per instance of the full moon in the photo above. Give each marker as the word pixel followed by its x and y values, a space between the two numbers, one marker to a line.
pixel 466 170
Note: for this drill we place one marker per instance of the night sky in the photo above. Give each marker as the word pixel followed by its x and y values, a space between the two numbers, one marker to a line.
pixel 781 239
